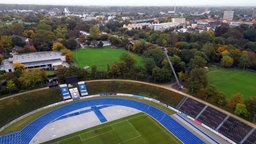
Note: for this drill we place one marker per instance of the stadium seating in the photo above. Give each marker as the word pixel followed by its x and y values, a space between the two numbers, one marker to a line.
pixel 26 134
pixel 191 107
pixel 13 138
pixel 212 117
pixel 251 139
pixel 234 129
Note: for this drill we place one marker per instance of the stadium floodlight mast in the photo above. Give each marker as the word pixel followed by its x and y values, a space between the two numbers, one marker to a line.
pixel 172 68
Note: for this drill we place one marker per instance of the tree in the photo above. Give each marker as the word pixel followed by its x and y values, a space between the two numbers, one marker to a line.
pixel 227 61
pixel 206 37
pixel 68 53
pixel 156 54
pixel 44 27
pixel 16 28
pixel 182 45
pixel 94 32
pixel 43 40
pixel 251 106
pixel 149 65
pixel 177 63
pixel 11 86
pixel 129 60
pixel 6 43
pixel 221 29
pixel 210 52
pixel 215 96
pixel 244 61
pixel 114 71
pixel 28 33
pixel 250 35
pixel 161 74
pixel 235 99
pixel 198 80
pixel 57 46
pixel 241 110
pixel 115 41
pixel 1 58
pixel 18 68
pixel 32 78
pixel 61 33
pixel 17 41
pixel 139 47
pixel 197 62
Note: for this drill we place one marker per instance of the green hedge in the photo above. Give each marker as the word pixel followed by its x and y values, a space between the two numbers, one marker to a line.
pixel 15 107
pixel 164 95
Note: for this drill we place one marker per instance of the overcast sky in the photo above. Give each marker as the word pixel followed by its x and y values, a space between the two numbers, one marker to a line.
pixel 136 2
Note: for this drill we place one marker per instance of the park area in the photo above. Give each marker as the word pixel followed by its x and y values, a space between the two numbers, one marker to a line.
pixel 101 57
pixel 139 128
pixel 233 81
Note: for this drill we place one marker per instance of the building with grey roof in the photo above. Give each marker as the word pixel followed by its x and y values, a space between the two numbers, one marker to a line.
pixel 43 60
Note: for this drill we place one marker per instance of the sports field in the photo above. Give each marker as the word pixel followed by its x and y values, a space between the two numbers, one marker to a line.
pixel 136 129
pixel 233 81
pixel 101 57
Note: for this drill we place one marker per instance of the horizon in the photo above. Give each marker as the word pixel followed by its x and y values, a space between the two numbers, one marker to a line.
pixel 145 3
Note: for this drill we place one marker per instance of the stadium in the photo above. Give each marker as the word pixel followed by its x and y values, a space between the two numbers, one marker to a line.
pixel 115 117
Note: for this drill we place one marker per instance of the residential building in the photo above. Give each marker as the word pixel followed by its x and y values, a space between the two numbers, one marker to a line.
pixel 179 20
pixel 254 13
pixel 228 15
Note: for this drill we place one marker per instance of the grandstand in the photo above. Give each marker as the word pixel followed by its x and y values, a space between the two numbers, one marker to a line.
pixel 230 127
pixel 234 129
pixel 251 138
pixel 192 107
pixel 212 117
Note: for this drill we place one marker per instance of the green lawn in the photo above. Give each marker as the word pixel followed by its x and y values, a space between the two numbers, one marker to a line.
pixel 233 81
pixel 101 57
pixel 136 129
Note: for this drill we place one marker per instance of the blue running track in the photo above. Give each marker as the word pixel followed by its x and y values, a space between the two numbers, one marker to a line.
pixel 26 134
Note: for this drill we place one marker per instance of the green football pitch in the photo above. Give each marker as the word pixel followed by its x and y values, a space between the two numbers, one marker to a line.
pixel 137 129
pixel 101 57
pixel 233 81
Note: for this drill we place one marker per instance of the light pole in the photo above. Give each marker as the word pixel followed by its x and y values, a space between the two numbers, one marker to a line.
pixel 172 68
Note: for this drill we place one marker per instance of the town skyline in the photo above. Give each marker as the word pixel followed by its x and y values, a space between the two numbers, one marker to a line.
pixel 136 3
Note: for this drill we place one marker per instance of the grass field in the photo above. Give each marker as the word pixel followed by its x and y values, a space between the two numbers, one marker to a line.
pixel 136 129
pixel 233 81
pixel 101 57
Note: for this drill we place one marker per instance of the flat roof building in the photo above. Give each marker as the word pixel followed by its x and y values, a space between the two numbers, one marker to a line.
pixel 179 20
pixel 44 60
pixel 228 15
pixel 254 13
